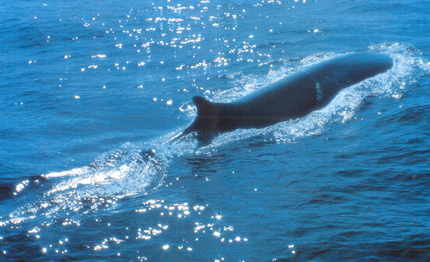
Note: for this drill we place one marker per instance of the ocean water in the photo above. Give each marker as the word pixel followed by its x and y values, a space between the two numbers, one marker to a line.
pixel 92 91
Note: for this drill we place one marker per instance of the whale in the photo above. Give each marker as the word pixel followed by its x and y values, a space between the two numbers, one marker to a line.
pixel 292 97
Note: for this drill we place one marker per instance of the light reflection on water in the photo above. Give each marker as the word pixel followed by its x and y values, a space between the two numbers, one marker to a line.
pixel 104 208
pixel 138 169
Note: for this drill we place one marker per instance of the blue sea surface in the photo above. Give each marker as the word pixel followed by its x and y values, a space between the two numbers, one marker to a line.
pixel 92 91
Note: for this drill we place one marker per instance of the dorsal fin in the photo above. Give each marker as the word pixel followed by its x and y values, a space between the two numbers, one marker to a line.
pixel 206 122
pixel 204 107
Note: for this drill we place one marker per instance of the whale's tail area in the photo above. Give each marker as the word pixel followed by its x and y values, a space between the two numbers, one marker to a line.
pixel 206 123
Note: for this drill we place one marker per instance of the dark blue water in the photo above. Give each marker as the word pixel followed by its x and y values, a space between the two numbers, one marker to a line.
pixel 90 91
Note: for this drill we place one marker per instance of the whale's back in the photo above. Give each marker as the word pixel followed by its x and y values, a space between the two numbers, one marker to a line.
pixel 294 96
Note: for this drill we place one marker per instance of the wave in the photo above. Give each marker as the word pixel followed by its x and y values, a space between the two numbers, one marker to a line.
pixel 135 168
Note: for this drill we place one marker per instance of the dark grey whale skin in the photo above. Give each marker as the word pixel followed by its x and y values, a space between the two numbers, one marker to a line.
pixel 292 97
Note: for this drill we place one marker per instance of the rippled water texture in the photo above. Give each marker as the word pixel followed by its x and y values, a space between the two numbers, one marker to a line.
pixel 91 94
